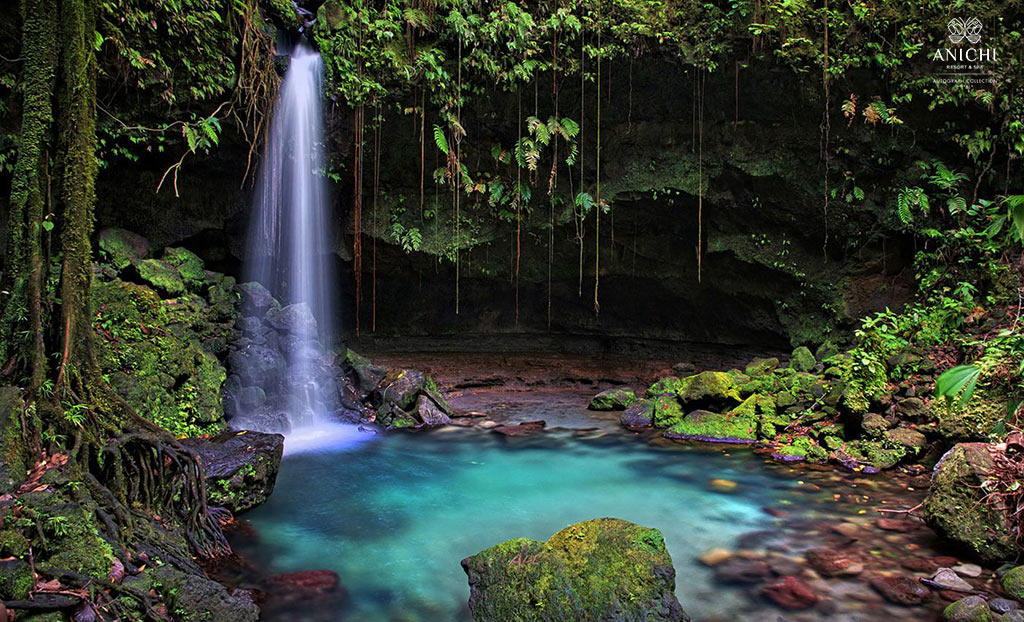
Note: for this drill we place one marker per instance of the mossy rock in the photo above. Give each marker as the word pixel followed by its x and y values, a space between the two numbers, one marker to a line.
pixel 367 375
pixel 878 453
pixel 801 448
pixel 761 367
pixel 240 467
pixel 194 598
pixel 973 421
pixel 15 579
pixel 601 569
pixel 154 353
pixel 955 506
pixel 122 248
pixel 188 265
pixel 969 609
pixel 706 389
pixel 1013 583
pixel 161 275
pixel 802 359
pixel 703 425
pixel 612 399
pixel 13 543
pixel 666 411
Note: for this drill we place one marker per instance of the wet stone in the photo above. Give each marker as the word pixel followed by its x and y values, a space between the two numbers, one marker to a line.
pixel 900 590
pixel 791 593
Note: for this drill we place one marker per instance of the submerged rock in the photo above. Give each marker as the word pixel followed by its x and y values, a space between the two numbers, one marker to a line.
pixel 601 569
pixel 791 593
pixel 612 399
pixel 901 590
pixel 956 508
pixel 240 467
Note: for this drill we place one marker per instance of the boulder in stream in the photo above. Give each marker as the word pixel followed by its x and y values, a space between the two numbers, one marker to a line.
pixel 601 569
pixel 240 467
pixel 956 509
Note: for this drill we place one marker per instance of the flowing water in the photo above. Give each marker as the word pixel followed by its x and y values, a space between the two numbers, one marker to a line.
pixel 289 246
pixel 393 515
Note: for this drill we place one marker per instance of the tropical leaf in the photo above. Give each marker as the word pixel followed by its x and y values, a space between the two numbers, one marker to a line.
pixel 960 381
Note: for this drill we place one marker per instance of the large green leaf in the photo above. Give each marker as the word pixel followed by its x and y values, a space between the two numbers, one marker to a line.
pixel 959 381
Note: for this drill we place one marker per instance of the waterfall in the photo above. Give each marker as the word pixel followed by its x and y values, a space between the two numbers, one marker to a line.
pixel 289 254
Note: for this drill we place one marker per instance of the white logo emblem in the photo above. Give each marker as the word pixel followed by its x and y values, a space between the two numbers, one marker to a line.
pixel 960 30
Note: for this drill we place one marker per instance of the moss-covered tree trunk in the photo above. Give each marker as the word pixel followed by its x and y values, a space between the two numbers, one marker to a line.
pixel 77 161
pixel 133 469
pixel 22 346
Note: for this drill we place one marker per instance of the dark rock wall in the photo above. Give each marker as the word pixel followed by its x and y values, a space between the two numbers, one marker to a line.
pixel 768 274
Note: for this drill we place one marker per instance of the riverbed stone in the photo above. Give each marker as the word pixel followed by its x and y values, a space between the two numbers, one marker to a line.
pixel 639 414
pixel 791 593
pixel 1003 605
pixel 969 609
pixel 240 467
pixel 601 569
pixel 900 590
pixel 429 413
pixel 955 506
pixel 612 399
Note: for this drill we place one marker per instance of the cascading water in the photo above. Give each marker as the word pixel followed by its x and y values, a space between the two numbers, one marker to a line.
pixel 289 254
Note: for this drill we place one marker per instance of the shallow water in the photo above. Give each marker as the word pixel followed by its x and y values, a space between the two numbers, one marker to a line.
pixel 394 514
pixel 394 517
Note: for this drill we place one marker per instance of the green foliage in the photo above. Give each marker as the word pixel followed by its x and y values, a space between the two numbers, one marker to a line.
pixel 958 382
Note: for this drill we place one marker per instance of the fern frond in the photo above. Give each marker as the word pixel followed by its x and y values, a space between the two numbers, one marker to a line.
pixel 440 140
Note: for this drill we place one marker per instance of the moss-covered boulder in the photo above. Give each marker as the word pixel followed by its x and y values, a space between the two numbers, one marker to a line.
pixel 367 375
pixel 240 467
pixel 194 598
pixel 188 266
pixel 612 399
pixel 969 609
pixel 161 275
pixel 973 421
pixel 802 359
pixel 1013 583
pixel 703 425
pixel 761 366
pixel 639 414
pixel 400 404
pixel 956 507
pixel 708 389
pixel 162 354
pixel 603 569
pixel 122 248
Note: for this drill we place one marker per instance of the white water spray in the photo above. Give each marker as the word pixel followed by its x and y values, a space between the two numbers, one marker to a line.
pixel 289 247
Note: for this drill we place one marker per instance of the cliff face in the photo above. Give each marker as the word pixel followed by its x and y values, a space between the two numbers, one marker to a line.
pixel 776 265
